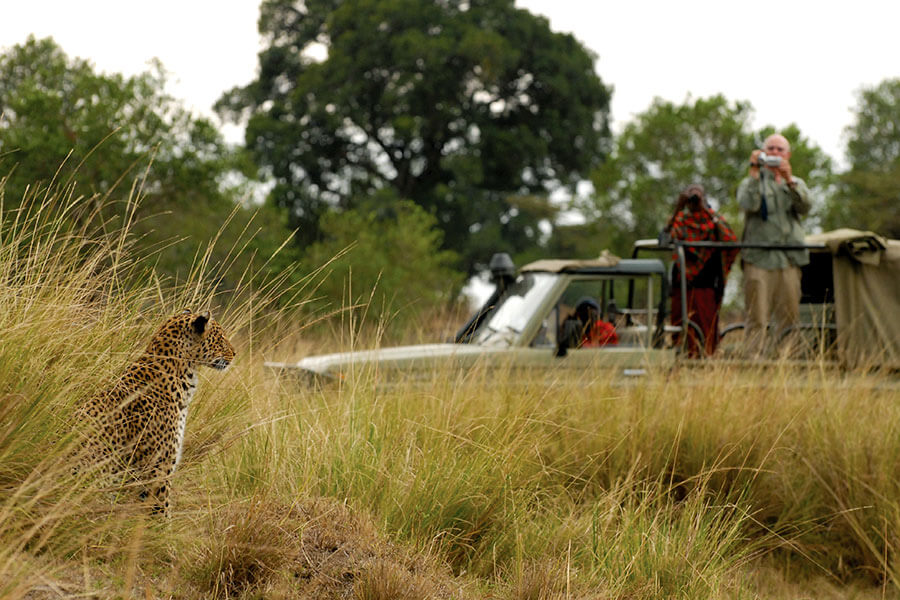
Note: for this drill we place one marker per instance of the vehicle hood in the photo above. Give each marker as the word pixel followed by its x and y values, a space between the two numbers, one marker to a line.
pixel 395 357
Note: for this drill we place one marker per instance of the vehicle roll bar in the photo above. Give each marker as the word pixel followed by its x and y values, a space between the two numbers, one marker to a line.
pixel 678 247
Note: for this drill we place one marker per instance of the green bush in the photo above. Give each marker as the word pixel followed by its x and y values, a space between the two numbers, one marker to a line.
pixel 385 262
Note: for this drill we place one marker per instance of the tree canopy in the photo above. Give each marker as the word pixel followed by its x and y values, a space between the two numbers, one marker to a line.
pixel 90 138
pixel 110 127
pixel 472 109
pixel 868 196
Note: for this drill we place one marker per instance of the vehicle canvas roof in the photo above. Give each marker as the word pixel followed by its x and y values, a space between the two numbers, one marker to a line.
pixel 606 264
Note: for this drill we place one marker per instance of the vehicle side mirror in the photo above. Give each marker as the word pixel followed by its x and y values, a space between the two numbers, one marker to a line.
pixel 503 270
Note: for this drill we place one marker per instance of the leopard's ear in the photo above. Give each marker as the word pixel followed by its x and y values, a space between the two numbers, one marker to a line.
pixel 186 311
pixel 199 323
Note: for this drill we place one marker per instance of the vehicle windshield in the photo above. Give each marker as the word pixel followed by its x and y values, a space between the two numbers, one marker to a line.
pixel 515 310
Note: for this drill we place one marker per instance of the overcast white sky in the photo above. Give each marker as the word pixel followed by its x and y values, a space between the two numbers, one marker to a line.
pixel 795 61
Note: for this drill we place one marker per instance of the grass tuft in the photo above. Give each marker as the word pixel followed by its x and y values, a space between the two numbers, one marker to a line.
pixel 244 547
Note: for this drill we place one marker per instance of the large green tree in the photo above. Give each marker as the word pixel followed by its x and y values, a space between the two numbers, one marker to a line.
pixel 470 108
pixel 705 140
pixel 868 196
pixel 94 139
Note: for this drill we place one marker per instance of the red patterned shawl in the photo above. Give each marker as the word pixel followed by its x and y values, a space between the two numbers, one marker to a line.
pixel 703 225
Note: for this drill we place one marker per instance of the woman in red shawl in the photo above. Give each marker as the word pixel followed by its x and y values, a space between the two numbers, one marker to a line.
pixel 706 269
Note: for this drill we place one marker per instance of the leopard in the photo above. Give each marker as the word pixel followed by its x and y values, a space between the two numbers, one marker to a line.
pixel 136 427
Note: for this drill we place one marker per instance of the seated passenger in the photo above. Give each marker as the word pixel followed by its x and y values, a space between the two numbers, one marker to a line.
pixel 585 329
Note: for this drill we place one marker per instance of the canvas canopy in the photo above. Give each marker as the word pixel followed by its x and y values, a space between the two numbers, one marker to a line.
pixel 557 265
pixel 866 270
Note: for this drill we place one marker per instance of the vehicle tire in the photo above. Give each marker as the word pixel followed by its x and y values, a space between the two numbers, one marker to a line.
pixel 701 339
pixel 731 328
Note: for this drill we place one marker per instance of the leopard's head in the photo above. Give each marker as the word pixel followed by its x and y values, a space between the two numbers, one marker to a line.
pixel 195 337
pixel 215 350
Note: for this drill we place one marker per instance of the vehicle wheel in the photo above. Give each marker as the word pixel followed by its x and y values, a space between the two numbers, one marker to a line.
pixel 731 328
pixel 681 346
pixel 731 340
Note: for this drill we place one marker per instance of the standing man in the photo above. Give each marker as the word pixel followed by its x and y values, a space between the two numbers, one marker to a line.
pixel 773 201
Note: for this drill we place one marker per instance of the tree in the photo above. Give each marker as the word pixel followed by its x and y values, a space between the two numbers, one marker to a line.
pixel 707 140
pixel 472 109
pixel 91 137
pixel 869 192
pixel 61 120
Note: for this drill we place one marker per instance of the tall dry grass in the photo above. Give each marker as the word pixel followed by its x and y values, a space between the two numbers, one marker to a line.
pixel 697 482
pixel 667 485
pixel 76 307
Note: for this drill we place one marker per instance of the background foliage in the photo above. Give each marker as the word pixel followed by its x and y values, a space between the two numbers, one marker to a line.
pixel 869 192
pixel 91 140
pixel 473 112
pixel 388 261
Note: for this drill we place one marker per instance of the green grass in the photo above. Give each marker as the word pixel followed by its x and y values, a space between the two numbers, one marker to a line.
pixel 704 482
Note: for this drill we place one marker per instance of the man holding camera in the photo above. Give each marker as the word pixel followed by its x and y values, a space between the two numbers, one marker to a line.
pixel 773 201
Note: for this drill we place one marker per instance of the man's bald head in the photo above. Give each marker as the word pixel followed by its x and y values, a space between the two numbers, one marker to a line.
pixel 777 145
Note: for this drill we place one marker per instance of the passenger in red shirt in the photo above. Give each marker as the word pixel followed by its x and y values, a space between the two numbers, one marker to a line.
pixel 600 333
pixel 585 329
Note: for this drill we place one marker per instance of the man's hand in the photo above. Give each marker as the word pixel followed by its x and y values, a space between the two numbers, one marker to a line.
pixel 754 162
pixel 784 170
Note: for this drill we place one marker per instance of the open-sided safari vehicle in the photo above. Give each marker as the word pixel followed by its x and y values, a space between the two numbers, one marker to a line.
pixel 850 312
pixel 520 324
pixel 850 302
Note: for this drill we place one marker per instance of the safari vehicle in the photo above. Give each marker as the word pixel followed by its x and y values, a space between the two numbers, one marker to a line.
pixel 518 326
pixel 850 296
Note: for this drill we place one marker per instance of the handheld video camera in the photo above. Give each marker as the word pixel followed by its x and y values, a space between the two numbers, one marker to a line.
pixel 764 160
